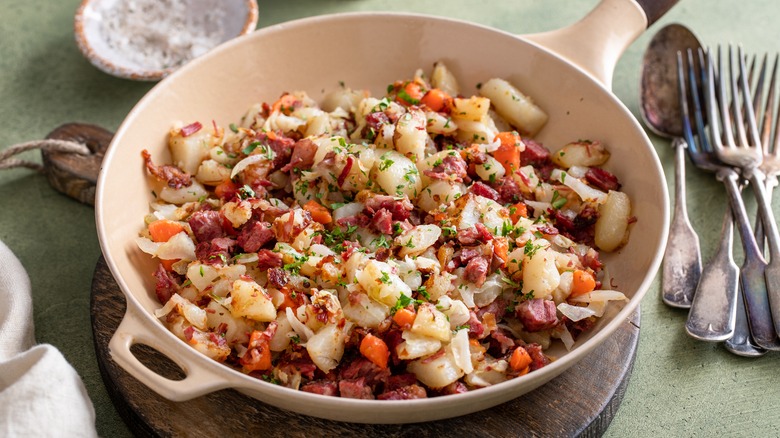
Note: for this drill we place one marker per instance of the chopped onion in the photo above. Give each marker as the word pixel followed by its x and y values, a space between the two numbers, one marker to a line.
pixel 192 313
pixel 347 210
pixel 304 332
pixel 598 307
pixel 585 192
pixel 578 171
pixel 246 258
pixel 461 351
pixel 246 162
pixel 539 207
pixel 599 295
pixel 575 313
pixel 566 338
pixel 179 246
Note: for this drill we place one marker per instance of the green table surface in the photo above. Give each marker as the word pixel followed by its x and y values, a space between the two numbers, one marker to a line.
pixel 679 387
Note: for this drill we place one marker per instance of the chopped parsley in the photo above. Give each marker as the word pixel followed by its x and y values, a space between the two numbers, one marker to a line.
pixel 384 162
pixel 246 192
pixel 558 201
pixel 403 95
pixel 403 302
pixel 530 249
pixel 295 267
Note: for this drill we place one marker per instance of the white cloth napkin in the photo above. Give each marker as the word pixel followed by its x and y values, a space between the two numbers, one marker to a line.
pixel 40 392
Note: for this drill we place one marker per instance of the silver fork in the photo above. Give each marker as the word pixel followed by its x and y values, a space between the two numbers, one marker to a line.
pixel 712 313
pixel 770 165
pixel 742 343
pixel 746 154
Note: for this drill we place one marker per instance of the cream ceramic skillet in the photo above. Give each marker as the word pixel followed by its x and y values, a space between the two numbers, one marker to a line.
pixel 567 72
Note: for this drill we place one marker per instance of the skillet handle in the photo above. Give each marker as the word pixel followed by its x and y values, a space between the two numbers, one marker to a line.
pixel 655 9
pixel 198 380
pixel 596 42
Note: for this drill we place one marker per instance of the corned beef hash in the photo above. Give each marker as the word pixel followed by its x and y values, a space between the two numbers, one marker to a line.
pixel 411 245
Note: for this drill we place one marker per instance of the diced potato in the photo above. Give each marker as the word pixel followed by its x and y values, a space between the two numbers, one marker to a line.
pixel 212 173
pixel 237 212
pixel 438 372
pixel 443 79
pixel 455 310
pixel 281 338
pixel 540 275
pixel 473 108
pixel 381 284
pixel 188 152
pixel 397 175
pixel 436 123
pixel 439 284
pixel 201 275
pixel 482 131
pixel 238 329
pixel 410 135
pixel 490 170
pixel 417 239
pixel 612 224
pixel 250 300
pixel 431 322
pixel 416 345
pixel 514 106
pixel 364 311
pixel 326 347
pixel 194 193
pixel 581 153
pixel 440 193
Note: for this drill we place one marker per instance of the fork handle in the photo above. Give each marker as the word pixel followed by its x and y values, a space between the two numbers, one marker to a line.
pixel 769 226
pixel 754 288
pixel 682 258
pixel 713 312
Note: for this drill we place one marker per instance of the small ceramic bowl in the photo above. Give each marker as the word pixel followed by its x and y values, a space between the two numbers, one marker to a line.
pixel 146 40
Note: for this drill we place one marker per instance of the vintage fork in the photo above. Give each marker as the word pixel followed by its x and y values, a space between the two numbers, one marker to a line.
pixel 742 343
pixel 770 165
pixel 712 313
pixel 745 154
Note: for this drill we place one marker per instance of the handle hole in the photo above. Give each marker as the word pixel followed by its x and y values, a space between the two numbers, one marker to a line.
pixel 157 362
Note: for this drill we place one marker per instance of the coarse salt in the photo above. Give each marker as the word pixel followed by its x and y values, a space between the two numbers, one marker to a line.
pixel 161 34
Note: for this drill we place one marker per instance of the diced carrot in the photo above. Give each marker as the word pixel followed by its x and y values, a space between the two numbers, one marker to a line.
pixel 168 264
pixel 517 211
pixel 258 356
pixel 162 230
pixel 226 190
pixel 404 317
pixel 375 350
pixel 583 282
pixel 508 154
pixel 410 94
pixel 520 359
pixel 435 99
pixel 292 299
pixel 285 104
pixel 501 248
pixel 318 212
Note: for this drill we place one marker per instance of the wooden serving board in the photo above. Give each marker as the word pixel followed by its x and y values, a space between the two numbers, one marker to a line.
pixel 580 402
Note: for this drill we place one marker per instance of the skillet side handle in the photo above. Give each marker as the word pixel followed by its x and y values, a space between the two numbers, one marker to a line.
pixel 655 9
pixel 198 381
pixel 596 42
